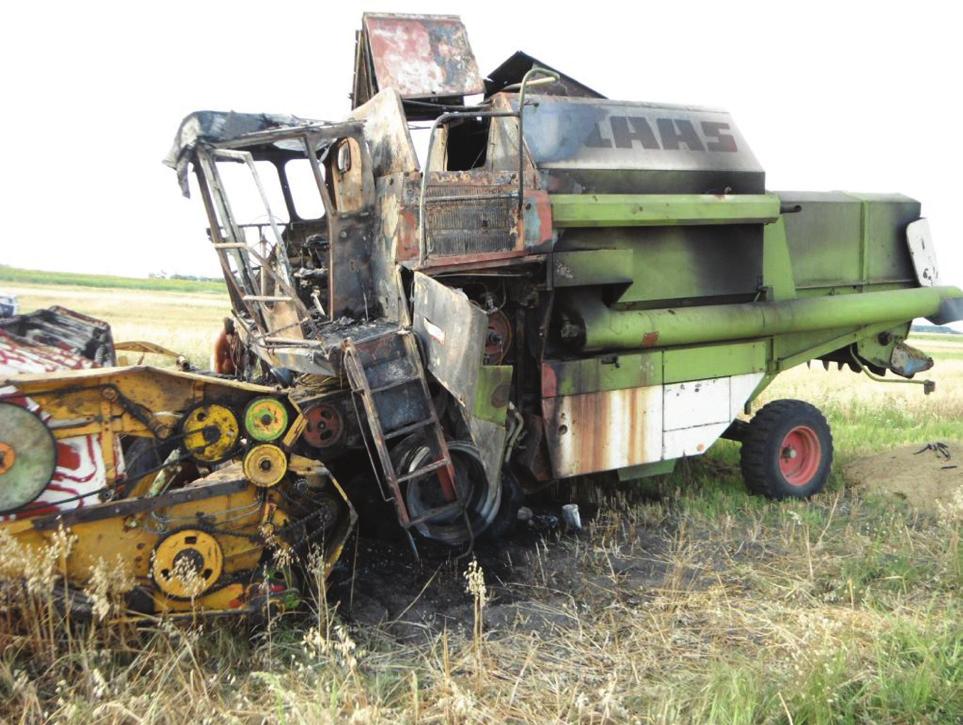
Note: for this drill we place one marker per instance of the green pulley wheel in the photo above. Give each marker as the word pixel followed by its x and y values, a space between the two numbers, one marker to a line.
pixel 28 457
pixel 265 419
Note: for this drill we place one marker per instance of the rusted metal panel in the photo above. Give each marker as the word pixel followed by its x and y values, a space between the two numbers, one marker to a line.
pixel 471 212
pixel 420 56
pixel 615 428
pixel 351 288
pixel 387 135
pixel 537 228
pixel 604 431
pixel 470 226
pixel 453 331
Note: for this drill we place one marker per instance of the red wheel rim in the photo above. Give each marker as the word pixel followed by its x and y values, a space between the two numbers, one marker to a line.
pixel 800 454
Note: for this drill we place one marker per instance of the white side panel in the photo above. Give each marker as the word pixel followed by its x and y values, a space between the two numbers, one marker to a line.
pixel 697 402
pixel 698 412
pixel 692 441
pixel 614 429
pixel 923 253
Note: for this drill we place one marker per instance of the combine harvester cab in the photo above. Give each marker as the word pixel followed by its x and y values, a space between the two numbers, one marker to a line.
pixel 570 286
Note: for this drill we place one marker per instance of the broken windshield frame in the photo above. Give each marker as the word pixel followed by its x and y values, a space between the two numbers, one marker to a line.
pixel 278 304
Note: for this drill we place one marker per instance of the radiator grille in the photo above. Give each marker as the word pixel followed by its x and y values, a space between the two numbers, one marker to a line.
pixel 469 220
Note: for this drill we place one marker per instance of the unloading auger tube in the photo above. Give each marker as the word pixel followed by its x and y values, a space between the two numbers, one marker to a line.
pixel 590 325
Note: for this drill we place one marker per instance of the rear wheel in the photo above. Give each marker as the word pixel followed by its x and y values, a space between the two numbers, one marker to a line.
pixel 787 450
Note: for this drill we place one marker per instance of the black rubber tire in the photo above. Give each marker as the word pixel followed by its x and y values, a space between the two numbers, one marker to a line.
pixel 503 525
pixel 762 449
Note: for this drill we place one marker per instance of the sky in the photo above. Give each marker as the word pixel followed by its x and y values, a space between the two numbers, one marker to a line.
pixel 854 96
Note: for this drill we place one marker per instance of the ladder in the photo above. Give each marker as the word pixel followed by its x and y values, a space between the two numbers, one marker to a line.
pixel 386 372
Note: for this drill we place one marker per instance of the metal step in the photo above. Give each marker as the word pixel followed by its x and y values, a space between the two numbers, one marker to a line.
pixel 411 428
pixel 368 357
pixel 448 508
pixel 395 384
pixel 423 470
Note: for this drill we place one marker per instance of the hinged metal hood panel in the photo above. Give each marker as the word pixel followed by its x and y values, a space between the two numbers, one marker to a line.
pixel 420 56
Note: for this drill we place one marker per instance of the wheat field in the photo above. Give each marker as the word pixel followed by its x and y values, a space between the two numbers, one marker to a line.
pixel 186 323
pixel 683 600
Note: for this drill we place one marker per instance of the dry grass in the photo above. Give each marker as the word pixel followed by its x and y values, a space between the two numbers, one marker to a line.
pixel 837 610
pixel 704 604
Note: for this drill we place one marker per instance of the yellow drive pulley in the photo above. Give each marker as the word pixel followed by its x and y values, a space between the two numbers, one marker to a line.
pixel 187 563
pixel 210 432
pixel 265 465
pixel 265 419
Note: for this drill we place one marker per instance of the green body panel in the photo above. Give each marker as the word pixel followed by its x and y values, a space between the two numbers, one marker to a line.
pixel 608 372
pixel 713 361
pixel 777 271
pixel 672 263
pixel 841 238
pixel 638 370
pixel 659 468
pixel 626 210
pixel 492 393
pixel 794 349
pixel 714 288
pixel 878 349
pixel 588 267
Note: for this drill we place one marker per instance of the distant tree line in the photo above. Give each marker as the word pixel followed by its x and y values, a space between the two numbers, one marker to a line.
pixel 191 277
pixel 936 329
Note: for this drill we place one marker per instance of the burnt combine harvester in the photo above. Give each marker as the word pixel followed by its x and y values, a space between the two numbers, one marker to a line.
pixel 569 286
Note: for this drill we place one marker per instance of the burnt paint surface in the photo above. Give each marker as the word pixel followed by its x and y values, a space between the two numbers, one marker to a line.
pixel 589 145
pixel 422 56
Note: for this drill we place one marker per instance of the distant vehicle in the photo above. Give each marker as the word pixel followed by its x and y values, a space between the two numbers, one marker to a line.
pixel 8 305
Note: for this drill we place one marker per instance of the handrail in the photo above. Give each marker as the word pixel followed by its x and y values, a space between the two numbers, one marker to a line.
pixel 550 77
